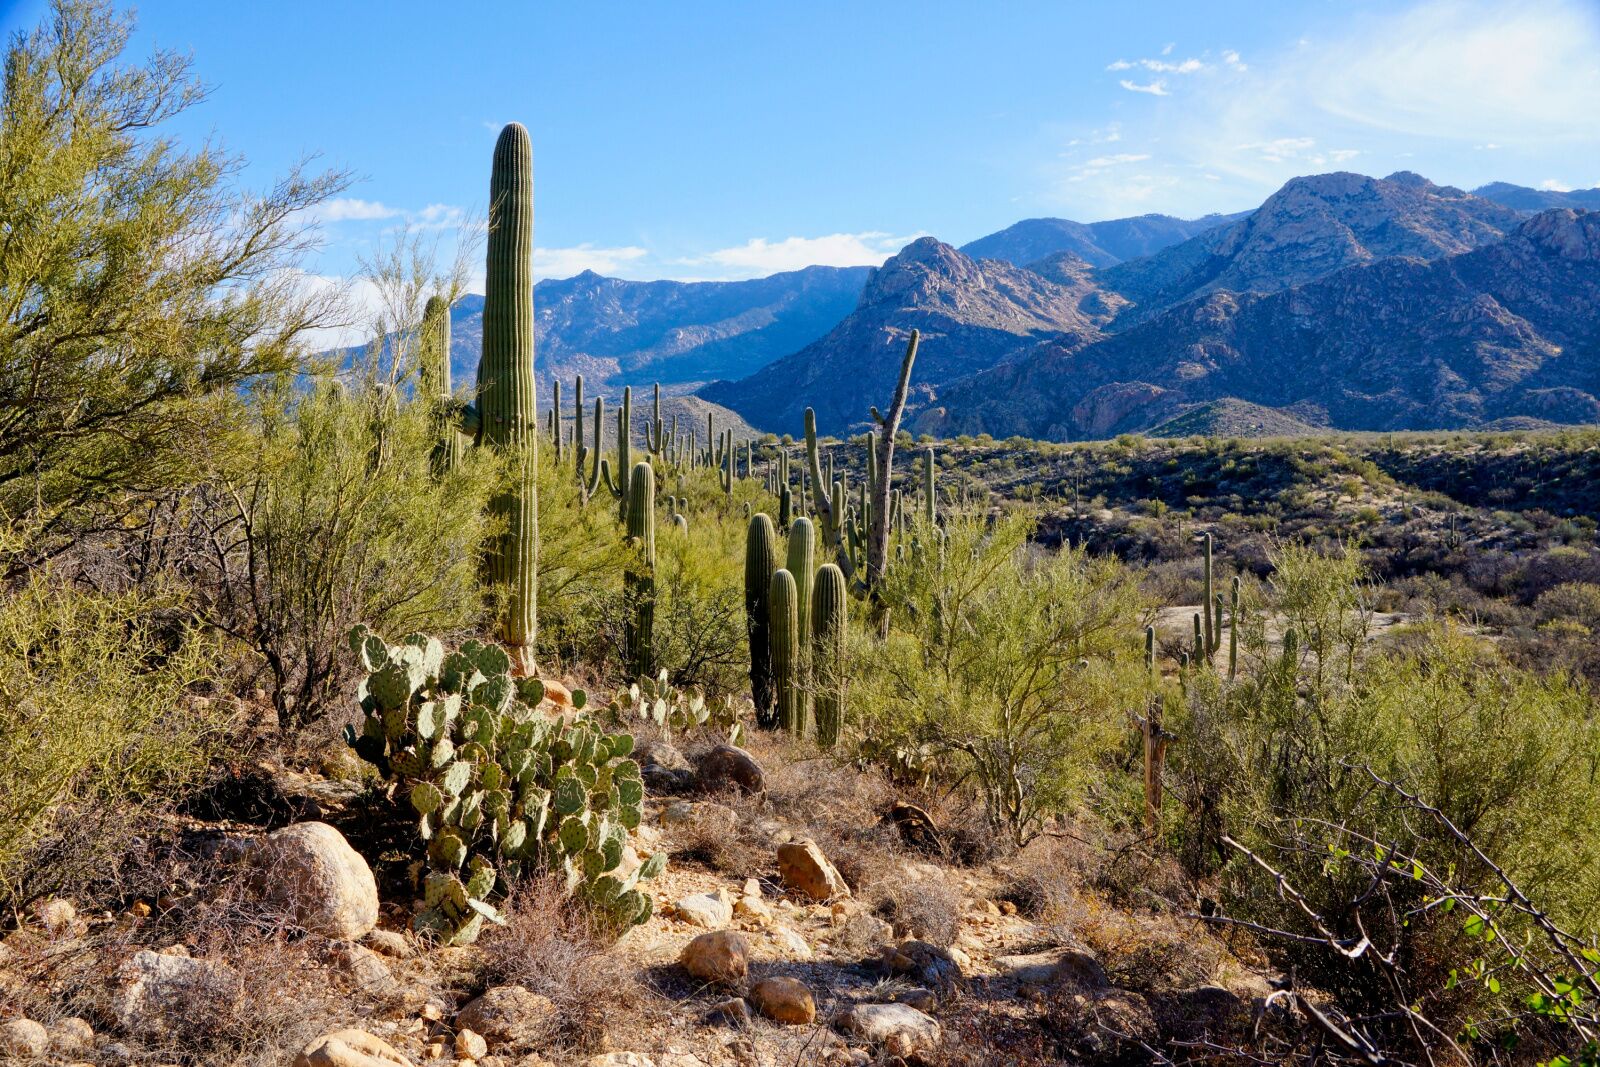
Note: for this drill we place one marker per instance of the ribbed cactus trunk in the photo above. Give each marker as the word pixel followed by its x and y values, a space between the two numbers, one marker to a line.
pixel 1150 650
pixel 507 399
pixel 783 609
pixel 930 489
pixel 434 380
pixel 1209 604
pixel 760 561
pixel 641 583
pixel 829 607
pixel 1233 631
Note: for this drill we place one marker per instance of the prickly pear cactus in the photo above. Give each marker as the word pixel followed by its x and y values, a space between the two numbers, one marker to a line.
pixel 497 788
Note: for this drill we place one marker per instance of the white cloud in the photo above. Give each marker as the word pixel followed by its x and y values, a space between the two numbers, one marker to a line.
pixel 1160 66
pixel 353 209
pixel 565 262
pixel 759 257
pixel 1554 186
pixel 1461 90
pixel 1111 161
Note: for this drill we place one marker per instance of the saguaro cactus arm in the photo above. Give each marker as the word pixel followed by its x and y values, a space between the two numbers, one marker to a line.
pixel 878 543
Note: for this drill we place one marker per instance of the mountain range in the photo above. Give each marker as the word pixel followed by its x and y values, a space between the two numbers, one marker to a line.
pixel 1343 301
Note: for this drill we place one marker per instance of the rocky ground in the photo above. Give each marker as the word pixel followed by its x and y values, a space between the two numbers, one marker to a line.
pixel 810 913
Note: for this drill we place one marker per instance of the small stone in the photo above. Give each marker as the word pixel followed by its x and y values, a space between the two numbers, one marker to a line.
pixel 732 1012
pixel 620 1059
pixel 69 1037
pixel 726 767
pixel 505 1013
pixel 924 1000
pixel 960 958
pixel 364 966
pixel 311 871
pixel 471 1045
pixel 556 693
pixel 864 931
pixel 350 1048
pixel 434 1051
pixel 158 982
pixel 753 908
pixel 1007 908
pixel 785 1000
pixel 24 1039
pixel 791 943
pixel 901 1029
pixel 433 1010
pixel 719 956
pixel 712 911
pixel 141 909
pixel 752 888
pixel 391 943
pixel 803 868
pixel 56 915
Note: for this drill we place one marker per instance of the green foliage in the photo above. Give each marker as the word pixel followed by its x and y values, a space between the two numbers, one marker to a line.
pixel 331 529
pixel 93 733
pixel 656 700
pixel 142 288
pixel 1015 666
pixel 497 788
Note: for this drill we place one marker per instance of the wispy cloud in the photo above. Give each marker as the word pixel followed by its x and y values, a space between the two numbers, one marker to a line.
pixel 760 256
pixel 354 209
pixel 1456 88
pixel 1554 186
pixel 565 262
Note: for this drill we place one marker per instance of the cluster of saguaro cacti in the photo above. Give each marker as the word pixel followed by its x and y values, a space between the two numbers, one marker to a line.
pixel 796 619
pixel 497 789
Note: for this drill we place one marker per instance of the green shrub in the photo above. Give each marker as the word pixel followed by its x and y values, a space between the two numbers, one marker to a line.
pixel 1017 666
pixel 338 520
pixel 92 728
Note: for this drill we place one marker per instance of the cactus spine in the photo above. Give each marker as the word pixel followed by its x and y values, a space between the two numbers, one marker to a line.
pixel 828 617
pixel 782 606
pixel 760 561
pixel 641 579
pixel 507 396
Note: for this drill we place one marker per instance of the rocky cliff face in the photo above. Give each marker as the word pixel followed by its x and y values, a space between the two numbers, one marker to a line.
pixel 971 314
pixel 1307 230
pixel 1509 330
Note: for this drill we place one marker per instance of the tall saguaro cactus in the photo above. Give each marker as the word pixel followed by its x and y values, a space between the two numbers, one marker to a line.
pixel 782 608
pixel 760 561
pixel 1209 604
pixel 434 375
pixel 829 606
pixel 642 577
pixel 507 398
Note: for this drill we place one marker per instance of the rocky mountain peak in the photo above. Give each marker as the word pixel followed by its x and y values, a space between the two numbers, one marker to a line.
pixel 1565 232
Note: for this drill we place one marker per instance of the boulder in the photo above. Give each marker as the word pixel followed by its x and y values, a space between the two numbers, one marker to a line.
pixel 720 956
pixel 927 963
pixel 901 1029
pixel 311 872
pixel 507 1013
pixel 57 915
pixel 665 770
pixel 391 943
pixel 154 983
pixel 712 911
pixel 727 767
pixel 24 1039
pixel 732 1012
pixel 784 1000
pixel 350 1048
pixel 1075 967
pixel 71 1037
pixel 804 869
pixel 470 1045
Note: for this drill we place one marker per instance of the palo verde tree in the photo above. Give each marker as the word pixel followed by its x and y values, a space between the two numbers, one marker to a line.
pixel 140 286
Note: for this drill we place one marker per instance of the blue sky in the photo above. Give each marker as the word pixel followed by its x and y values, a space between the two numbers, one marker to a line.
pixel 719 140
